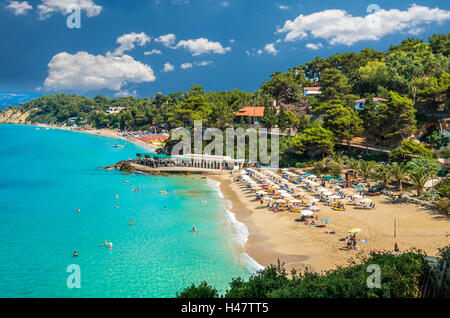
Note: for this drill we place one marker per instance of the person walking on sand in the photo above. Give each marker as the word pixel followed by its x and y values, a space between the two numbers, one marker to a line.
pixel 396 249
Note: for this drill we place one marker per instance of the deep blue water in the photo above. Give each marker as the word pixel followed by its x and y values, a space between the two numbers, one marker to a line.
pixel 46 175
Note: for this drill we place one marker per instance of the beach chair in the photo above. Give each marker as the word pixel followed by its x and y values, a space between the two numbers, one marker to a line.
pixel 371 206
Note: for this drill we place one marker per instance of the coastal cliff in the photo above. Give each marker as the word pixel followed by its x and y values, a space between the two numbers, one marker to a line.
pixel 13 116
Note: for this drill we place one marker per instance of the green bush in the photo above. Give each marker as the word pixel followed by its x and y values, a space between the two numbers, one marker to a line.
pixel 201 291
pixel 401 276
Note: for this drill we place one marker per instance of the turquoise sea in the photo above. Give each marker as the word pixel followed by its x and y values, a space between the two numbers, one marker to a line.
pixel 47 175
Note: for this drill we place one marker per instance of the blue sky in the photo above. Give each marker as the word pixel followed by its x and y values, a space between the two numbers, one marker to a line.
pixel 222 44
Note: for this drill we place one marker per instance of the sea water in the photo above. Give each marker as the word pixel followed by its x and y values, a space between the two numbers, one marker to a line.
pixel 47 176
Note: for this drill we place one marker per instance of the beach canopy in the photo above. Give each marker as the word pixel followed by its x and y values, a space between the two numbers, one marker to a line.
pixel 354 230
pixel 366 200
pixel 307 213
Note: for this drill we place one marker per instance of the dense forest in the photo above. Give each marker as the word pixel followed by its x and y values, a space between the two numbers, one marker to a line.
pixel 412 79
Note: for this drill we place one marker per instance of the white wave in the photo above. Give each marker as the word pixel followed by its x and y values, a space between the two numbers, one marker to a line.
pixel 241 229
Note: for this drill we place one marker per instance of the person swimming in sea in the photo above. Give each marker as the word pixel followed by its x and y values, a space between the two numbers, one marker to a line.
pixel 204 201
pixel 117 206
pixel 78 210
pixel 165 208
pixel 117 196
pixel 194 229
pixel 75 253
pixel 110 245
pixel 131 222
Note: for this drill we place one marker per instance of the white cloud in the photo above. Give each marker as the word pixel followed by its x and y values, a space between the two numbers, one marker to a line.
pixel 47 7
pixel 339 27
pixel 254 52
pixel 125 93
pixel 225 4
pixel 86 72
pixel 129 41
pixel 176 2
pixel 186 65
pixel 282 7
pixel 168 67
pixel 204 63
pixel 154 51
pixel 270 48
pixel 314 46
pixel 19 7
pixel 167 40
pixel 202 46
pixel 231 40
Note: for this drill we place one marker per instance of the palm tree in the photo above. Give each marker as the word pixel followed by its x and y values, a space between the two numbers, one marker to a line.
pixel 382 173
pixel 400 173
pixel 422 170
pixel 366 168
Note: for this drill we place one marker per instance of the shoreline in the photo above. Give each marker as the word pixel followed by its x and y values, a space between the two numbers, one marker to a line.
pixel 276 237
pixel 104 132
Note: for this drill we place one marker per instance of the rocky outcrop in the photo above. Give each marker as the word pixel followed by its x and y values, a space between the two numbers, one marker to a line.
pixel 14 116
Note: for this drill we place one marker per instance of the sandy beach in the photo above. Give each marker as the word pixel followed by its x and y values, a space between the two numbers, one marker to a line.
pixel 276 236
pixel 106 133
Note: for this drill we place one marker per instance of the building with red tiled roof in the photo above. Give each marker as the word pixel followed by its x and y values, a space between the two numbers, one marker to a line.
pixel 251 114
pixel 308 91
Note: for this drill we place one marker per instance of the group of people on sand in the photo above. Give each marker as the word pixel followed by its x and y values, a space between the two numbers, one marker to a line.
pixel 351 242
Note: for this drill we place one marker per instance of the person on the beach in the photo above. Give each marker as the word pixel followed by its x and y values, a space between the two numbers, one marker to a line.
pixel 75 253
pixel 396 249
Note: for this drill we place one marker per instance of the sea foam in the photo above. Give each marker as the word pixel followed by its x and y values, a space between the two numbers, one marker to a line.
pixel 241 230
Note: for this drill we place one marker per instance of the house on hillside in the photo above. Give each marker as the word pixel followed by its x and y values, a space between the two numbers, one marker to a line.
pixel 359 103
pixel 310 91
pixel 114 110
pixel 251 115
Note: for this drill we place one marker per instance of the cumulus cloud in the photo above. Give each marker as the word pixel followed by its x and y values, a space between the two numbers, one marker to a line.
pixel 339 27
pixel 19 7
pixel 126 93
pixel 254 52
pixel 314 46
pixel 48 7
pixel 167 40
pixel 270 48
pixel 129 41
pixel 177 2
pixel 154 51
pixel 86 72
pixel 202 46
pixel 203 63
pixel 168 67
pixel 224 4
pixel 186 65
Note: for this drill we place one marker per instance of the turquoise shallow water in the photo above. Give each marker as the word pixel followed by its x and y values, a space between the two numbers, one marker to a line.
pixel 46 175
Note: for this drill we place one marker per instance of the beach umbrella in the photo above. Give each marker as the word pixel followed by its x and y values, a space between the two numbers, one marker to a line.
pixel 295 201
pixel 313 200
pixel 313 208
pixel 328 177
pixel 261 192
pixel 280 201
pixel 328 193
pixel 354 230
pixel 358 188
pixel 325 220
pixel 314 184
pixel 322 190
pixel 366 200
pixel 357 196
pixel 335 197
pixel 340 179
pixel 307 212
